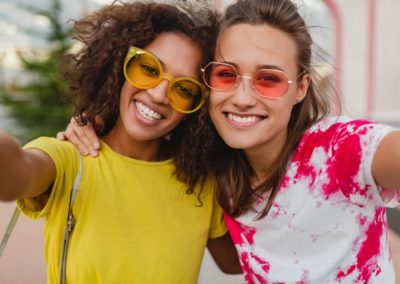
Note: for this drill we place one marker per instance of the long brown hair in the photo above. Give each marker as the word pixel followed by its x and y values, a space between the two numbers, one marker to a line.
pixel 230 166
pixel 95 72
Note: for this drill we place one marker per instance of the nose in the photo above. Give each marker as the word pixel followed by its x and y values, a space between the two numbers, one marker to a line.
pixel 244 94
pixel 158 93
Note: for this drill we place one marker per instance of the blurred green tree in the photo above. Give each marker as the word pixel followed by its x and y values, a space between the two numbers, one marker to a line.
pixel 37 102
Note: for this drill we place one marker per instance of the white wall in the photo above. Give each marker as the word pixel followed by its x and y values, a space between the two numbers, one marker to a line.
pixel 369 69
pixel 387 87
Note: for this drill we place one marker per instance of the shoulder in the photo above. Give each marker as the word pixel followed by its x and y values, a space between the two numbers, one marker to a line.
pixel 344 138
pixel 338 123
pixel 61 152
pixel 341 134
pixel 47 143
pixel 50 144
pixel 209 186
pixel 340 127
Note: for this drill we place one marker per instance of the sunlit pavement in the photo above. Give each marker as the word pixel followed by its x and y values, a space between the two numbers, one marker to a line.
pixel 22 261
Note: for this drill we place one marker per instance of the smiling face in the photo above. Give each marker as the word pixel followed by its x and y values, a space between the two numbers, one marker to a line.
pixel 146 115
pixel 245 119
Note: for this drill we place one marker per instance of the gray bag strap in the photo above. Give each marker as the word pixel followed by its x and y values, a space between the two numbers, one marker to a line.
pixel 10 228
pixel 70 223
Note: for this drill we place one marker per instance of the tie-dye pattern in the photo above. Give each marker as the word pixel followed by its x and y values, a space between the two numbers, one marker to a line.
pixel 328 222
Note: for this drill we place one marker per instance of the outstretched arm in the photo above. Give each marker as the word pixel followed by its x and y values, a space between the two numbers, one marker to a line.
pixel 386 163
pixel 23 173
pixel 83 137
pixel 224 254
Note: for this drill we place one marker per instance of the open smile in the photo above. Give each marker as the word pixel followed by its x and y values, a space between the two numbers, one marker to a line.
pixel 147 113
pixel 243 120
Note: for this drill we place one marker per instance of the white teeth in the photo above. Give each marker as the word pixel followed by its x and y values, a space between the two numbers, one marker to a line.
pixel 242 119
pixel 146 112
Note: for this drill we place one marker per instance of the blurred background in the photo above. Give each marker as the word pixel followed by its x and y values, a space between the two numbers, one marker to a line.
pixel 356 47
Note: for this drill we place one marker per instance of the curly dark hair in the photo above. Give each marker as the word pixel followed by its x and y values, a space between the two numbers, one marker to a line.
pixel 95 72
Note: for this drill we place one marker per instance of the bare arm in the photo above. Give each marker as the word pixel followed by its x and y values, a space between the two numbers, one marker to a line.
pixel 224 254
pixel 83 137
pixel 386 163
pixel 23 173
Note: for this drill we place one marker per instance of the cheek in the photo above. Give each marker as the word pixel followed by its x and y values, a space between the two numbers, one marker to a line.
pixel 176 118
pixel 295 94
pixel 212 108
pixel 215 100
pixel 280 110
pixel 285 109
pixel 127 90
pixel 288 101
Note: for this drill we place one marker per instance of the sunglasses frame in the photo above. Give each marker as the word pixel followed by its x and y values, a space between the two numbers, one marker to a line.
pixel 236 84
pixel 133 51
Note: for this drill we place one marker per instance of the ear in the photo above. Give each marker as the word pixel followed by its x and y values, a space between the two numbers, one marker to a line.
pixel 303 87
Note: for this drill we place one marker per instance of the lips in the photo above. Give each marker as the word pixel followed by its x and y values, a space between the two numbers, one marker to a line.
pixel 243 119
pixel 146 112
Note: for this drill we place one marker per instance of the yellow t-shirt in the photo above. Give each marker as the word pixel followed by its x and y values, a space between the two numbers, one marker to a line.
pixel 134 221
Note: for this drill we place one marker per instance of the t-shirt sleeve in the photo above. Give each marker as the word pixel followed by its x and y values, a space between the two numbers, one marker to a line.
pixel 217 228
pixel 356 142
pixel 66 160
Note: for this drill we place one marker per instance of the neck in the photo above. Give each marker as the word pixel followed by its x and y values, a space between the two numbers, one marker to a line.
pixel 262 159
pixel 139 150
pixel 261 165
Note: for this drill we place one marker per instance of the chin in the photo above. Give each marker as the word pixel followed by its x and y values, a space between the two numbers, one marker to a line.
pixel 238 144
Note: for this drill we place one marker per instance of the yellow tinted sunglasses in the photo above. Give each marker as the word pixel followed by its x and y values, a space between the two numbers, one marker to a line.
pixel 144 71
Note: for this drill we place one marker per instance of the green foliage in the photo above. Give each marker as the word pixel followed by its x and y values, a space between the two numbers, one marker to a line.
pixel 35 100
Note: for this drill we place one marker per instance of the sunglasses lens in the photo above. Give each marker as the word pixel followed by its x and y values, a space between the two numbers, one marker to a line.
pixel 143 71
pixel 271 83
pixel 186 95
pixel 220 76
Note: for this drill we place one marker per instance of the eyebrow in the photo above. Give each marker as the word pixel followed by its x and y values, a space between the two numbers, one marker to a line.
pixel 259 66
pixel 162 63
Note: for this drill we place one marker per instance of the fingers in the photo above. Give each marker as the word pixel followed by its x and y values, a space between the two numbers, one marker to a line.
pixel 83 137
pixel 92 137
pixel 77 136
pixel 61 136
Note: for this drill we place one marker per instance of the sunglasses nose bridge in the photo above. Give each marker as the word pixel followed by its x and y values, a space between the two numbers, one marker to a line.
pixel 158 92
pixel 239 77
pixel 163 77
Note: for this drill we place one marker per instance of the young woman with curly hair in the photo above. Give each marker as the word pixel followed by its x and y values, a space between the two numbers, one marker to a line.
pixel 138 216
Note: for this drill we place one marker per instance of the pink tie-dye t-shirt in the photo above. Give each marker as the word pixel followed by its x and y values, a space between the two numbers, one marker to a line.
pixel 328 222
